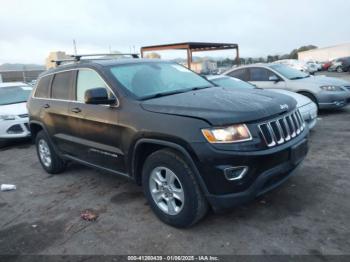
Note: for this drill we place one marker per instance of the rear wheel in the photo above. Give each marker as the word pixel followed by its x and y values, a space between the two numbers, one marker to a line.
pixel 49 159
pixel 172 190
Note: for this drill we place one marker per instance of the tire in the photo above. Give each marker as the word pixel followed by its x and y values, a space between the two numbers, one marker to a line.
pixel 339 69
pixel 311 97
pixel 164 164
pixel 49 159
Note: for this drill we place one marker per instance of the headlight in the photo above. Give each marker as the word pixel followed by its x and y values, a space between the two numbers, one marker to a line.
pixel 229 134
pixel 7 117
pixel 331 88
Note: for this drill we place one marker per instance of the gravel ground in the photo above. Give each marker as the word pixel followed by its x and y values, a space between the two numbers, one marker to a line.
pixel 309 214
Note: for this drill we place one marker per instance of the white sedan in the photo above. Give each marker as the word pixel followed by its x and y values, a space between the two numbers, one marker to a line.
pixel 307 108
pixel 13 111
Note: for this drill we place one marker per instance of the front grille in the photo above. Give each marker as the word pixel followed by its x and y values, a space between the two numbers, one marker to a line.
pixel 23 115
pixel 283 129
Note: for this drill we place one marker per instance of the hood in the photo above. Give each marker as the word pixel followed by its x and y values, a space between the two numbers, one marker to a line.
pixel 14 109
pixel 301 100
pixel 324 80
pixel 221 106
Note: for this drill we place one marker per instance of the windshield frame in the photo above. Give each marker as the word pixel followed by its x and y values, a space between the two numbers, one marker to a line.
pixel 166 93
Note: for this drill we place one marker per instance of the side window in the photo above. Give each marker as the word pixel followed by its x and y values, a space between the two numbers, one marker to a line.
pixel 240 74
pixel 88 79
pixel 260 74
pixel 42 89
pixel 61 85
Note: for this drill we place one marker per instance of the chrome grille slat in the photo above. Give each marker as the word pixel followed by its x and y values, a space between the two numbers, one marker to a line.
pixel 292 126
pixel 283 129
pixel 272 134
pixel 296 123
pixel 288 137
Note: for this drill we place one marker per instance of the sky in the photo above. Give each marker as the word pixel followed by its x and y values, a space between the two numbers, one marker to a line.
pixel 29 30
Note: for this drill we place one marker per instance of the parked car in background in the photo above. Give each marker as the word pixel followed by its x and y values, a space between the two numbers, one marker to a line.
pixel 326 92
pixel 299 65
pixel 307 108
pixel 340 65
pixel 294 64
pixel 326 65
pixel 189 143
pixel 13 111
pixel 314 65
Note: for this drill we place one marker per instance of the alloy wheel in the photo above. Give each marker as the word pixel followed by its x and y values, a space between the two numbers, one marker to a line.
pixel 166 190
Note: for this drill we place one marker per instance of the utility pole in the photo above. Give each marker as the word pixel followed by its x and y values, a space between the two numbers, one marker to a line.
pixel 74 47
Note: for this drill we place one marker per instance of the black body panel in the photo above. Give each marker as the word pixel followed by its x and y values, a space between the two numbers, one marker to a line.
pixel 112 137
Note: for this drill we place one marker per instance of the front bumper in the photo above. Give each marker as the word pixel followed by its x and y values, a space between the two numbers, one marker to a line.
pixel 12 129
pixel 264 183
pixel 333 100
pixel 266 170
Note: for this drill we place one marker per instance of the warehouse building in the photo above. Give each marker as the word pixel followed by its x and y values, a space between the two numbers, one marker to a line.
pixel 326 53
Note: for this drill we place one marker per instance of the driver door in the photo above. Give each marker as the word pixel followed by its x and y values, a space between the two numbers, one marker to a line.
pixel 95 128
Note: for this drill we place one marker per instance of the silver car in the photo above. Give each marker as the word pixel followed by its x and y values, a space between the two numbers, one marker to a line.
pixel 326 92
pixel 307 108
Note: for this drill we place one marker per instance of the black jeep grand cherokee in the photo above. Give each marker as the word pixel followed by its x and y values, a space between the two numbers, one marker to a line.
pixel 189 143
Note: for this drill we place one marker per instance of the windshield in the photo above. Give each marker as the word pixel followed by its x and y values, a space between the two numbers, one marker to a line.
pixel 289 72
pixel 14 94
pixel 231 82
pixel 151 79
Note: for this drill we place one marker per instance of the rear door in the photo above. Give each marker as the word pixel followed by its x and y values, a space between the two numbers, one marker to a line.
pixel 95 129
pixel 263 78
pixel 56 109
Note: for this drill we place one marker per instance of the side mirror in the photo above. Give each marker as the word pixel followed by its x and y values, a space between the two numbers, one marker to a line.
pixel 98 96
pixel 274 78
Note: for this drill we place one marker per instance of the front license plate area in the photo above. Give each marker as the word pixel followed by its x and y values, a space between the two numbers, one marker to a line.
pixel 298 152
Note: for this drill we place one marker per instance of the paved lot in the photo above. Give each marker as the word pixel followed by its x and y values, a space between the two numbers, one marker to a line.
pixel 309 214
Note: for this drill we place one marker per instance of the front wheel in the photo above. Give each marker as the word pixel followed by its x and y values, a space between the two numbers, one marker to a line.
pixel 49 159
pixel 172 190
pixel 339 69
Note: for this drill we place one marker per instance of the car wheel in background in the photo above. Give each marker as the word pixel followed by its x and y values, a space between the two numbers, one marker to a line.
pixel 339 69
pixel 49 159
pixel 171 189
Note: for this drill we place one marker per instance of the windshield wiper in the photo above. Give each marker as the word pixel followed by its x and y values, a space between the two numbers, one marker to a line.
pixel 299 77
pixel 199 87
pixel 161 94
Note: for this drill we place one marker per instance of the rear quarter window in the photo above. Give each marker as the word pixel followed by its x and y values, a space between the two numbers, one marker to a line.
pixel 61 85
pixel 240 74
pixel 42 89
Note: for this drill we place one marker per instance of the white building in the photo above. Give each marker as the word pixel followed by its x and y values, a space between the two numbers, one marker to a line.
pixel 326 53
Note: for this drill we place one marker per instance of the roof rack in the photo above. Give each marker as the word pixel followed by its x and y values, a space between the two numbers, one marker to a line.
pixel 77 58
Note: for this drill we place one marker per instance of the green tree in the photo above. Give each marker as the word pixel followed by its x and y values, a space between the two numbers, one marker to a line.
pixel 294 53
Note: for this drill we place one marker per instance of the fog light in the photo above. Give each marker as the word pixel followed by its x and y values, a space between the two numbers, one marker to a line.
pixel 235 173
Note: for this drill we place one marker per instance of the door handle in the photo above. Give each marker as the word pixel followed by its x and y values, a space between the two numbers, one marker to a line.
pixel 76 110
pixel 46 106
